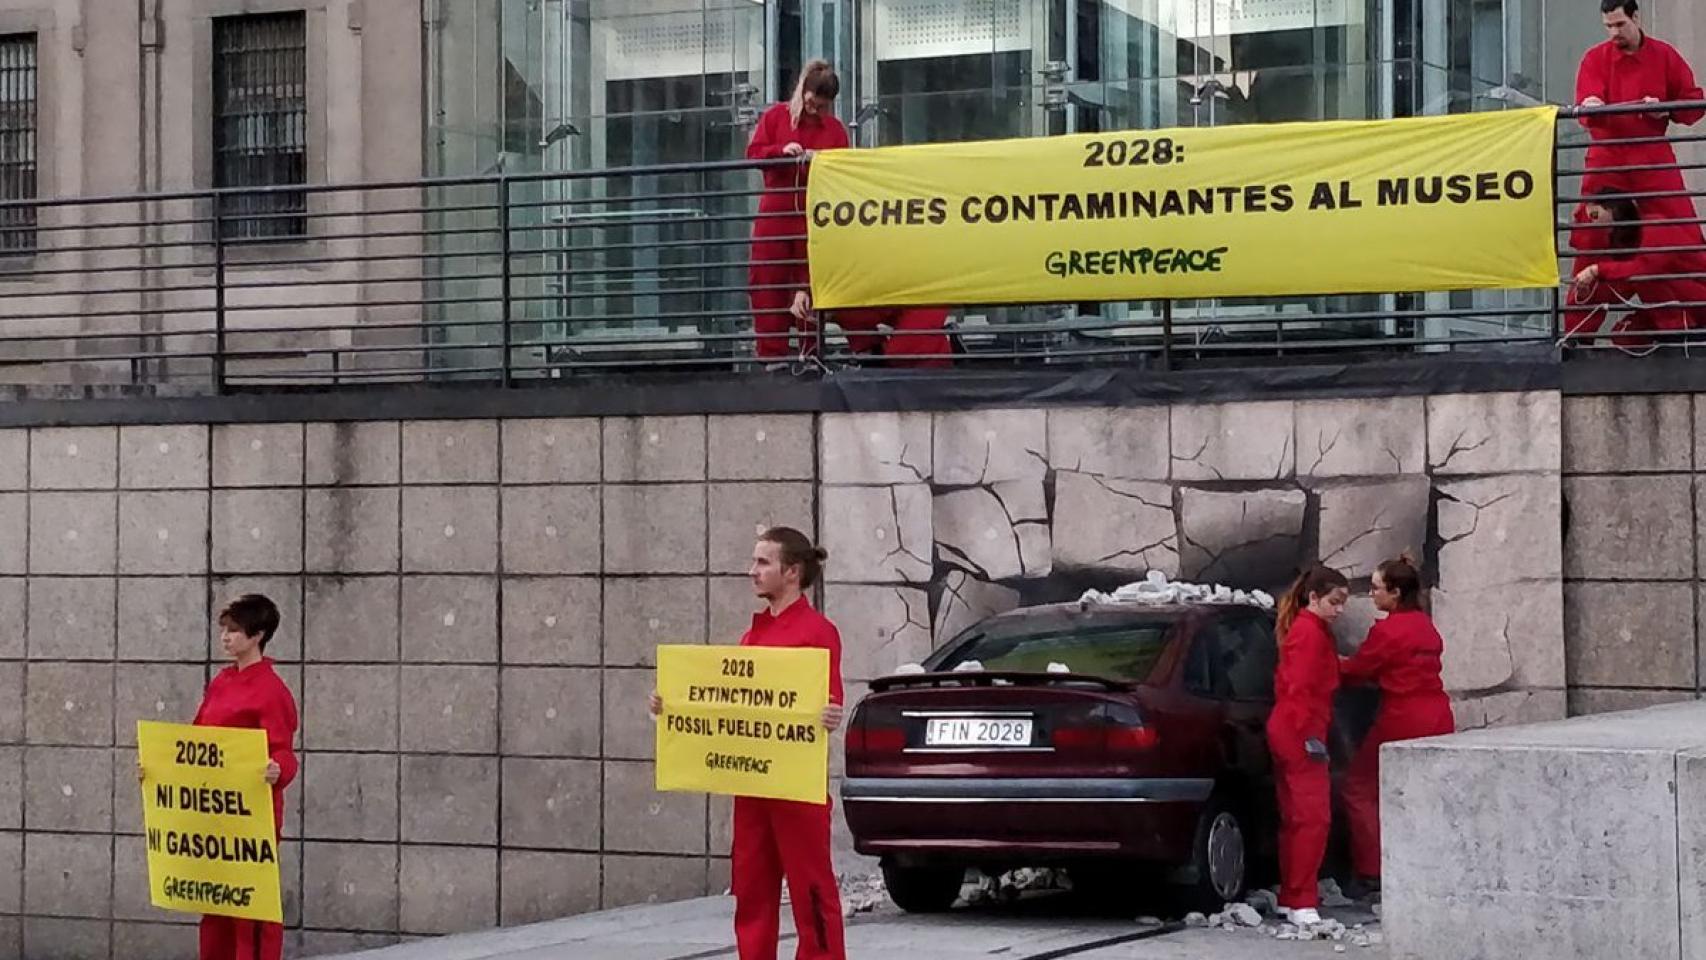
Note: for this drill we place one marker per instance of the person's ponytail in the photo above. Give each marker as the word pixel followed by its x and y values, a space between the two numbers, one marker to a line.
pixel 1317 580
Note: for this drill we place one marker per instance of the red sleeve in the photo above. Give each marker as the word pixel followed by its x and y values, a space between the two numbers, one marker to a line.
pixel 278 719
pixel 1585 240
pixel 1590 82
pixel 766 143
pixel 1680 85
pixel 1372 658
pixel 832 643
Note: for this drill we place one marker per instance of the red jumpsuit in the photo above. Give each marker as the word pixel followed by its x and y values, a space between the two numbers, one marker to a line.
pixel 1617 287
pixel 783 838
pixel 1402 655
pixel 1303 707
pixel 255 698
pixel 778 267
pixel 1654 70
pixel 919 340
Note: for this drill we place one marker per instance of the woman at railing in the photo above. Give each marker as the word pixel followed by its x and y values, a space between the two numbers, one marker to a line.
pixel 778 276
pixel 1622 262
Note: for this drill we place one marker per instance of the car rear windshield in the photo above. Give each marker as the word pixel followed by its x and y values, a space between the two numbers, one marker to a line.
pixel 1124 651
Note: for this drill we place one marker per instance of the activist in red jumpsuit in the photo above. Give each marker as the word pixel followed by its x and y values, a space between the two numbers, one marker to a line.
pixel 908 337
pixel 250 694
pixel 777 839
pixel 1631 67
pixel 1401 655
pixel 1304 683
pixel 778 277
pixel 1622 263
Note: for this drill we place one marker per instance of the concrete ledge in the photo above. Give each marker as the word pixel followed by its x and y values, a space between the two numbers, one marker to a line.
pixel 1575 840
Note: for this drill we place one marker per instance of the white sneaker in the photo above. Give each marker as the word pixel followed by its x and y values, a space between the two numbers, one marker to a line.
pixel 1308 916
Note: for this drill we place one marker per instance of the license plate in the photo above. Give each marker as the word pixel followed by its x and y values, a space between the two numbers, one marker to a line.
pixel 977 732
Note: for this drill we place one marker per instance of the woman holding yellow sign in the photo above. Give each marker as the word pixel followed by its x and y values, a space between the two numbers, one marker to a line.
pixel 774 839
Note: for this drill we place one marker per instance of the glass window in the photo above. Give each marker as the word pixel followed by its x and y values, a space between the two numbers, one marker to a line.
pixel 1120 651
pixel 260 122
pixel 18 141
pixel 1247 658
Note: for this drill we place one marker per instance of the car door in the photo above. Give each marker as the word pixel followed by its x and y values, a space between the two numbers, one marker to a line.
pixel 1246 657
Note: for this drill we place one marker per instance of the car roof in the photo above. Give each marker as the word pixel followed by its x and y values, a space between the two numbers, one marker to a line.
pixel 1067 615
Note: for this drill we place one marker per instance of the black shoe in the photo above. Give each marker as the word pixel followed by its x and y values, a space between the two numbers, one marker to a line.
pixel 1363 890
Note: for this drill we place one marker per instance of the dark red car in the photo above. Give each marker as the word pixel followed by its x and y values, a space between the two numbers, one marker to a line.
pixel 1147 758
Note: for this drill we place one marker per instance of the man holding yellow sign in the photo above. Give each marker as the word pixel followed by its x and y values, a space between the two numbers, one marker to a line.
pixel 755 723
pixel 213 795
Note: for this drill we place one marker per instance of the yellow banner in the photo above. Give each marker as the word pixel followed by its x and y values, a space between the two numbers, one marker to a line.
pixel 207 812
pixel 1433 203
pixel 745 721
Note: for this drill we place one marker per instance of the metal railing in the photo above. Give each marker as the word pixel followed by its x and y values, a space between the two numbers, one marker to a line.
pixel 513 278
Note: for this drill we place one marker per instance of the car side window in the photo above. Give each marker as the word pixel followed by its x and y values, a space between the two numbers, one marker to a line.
pixel 1199 665
pixel 1247 658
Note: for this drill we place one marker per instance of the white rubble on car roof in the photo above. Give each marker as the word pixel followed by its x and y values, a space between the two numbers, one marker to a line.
pixel 1157 589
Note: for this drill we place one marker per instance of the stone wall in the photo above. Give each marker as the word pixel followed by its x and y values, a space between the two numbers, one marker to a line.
pixel 471 608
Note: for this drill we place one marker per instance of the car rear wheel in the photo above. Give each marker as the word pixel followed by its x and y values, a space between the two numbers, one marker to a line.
pixel 1219 855
pixel 923 889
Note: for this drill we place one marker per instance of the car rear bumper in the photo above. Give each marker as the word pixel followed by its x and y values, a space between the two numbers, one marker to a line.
pixel 1025 790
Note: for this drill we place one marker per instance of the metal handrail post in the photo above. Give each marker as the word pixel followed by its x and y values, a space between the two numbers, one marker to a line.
pixel 508 376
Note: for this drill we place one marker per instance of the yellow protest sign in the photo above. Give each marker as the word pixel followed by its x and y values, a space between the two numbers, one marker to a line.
pixel 207 812
pixel 745 721
pixel 1434 203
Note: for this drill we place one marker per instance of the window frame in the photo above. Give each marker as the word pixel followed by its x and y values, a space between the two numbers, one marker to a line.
pixel 21 222
pixel 281 135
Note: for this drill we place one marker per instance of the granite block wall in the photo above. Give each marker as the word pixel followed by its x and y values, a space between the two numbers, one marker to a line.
pixel 471 609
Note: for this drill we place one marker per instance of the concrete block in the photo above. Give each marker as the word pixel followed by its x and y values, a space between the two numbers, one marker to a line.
pixel 548 711
pixel 350 708
pixel 14 459
pixel 285 591
pixel 876 448
pixel 163 458
pixel 11 795
pixel 450 530
pixel 720 817
pixel 258 455
pixel 349 886
pixel 654 528
pixel 354 454
pixel 11 938
pixel 1126 443
pixel 764 447
pixel 257 531
pixel 732 606
pixel 1588 701
pixel 739 512
pixel 448 890
pixel 639 819
pixel 350 796
pixel 545 886
pixel 353 529
pixel 352 619
pixel 878 534
pixel 11 876
pixel 162 533
pixel 450 710
pixel 1502 636
pixel 450 619
pixel 1629 528
pixel 1691 850
pixel 1240 537
pixel 11 701
pixel 651 449
pixel 1115 525
pixel 163 619
pixel 164 692
pixel 1630 634
pixel 13 623
pixel 68 875
pixel 72 618
pixel 998 532
pixel 551 451
pixel 988 446
pixel 630 733
pixel 320 943
pixel 1363 524
pixel 14 547
pixel 163 938
pixel 1234 441
pixel 551 530
pixel 74 458
pixel 630 880
pixel 68 789
pixel 450 451
pixel 1632 433
pixel 552 621
pixel 1494 433
pixel 73 533
pixel 881 627
pixel 1364 437
pixel 69 704
pixel 547 804
pixel 641 613
pixel 1488 534
pixel 51 938
pixel 965 601
pixel 449 800
pixel 131 891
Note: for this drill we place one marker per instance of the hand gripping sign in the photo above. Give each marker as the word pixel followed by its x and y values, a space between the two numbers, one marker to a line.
pixel 207 810
pixel 745 721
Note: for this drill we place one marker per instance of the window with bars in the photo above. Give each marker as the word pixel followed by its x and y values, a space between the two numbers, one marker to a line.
pixel 17 143
pixel 260 124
